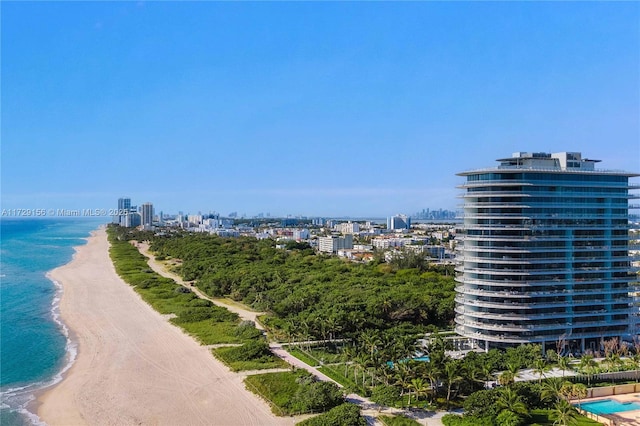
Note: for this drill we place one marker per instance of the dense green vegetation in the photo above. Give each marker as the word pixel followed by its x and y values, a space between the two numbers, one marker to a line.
pixel 200 318
pixel 368 318
pixel 295 392
pixel 310 296
pixel 523 403
pixel 253 355
pixel 346 414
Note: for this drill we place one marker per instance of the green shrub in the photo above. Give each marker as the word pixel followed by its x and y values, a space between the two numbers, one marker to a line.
pixel 346 414
pixel 398 421
pixel 481 403
pixel 316 396
pixel 457 420
pixel 254 355
pixel 385 395
pixel 193 315
pixel 253 350
pixel 247 330
pixel 509 418
pixel 295 392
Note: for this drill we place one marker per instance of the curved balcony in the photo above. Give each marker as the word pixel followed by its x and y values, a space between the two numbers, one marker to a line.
pixel 510 260
pixel 565 326
pixel 550 216
pixel 567 317
pixel 533 294
pixel 533 305
pixel 504 339
pixel 533 272
pixel 539 238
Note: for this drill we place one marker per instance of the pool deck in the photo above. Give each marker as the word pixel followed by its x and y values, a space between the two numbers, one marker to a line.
pixel 626 418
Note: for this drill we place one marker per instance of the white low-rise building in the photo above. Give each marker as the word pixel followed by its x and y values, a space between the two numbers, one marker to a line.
pixel 385 243
pixel 334 243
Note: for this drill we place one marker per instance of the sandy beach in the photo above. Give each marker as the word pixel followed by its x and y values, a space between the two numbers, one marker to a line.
pixel 133 366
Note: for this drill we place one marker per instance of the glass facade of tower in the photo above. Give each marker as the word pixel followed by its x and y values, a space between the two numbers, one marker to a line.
pixel 543 255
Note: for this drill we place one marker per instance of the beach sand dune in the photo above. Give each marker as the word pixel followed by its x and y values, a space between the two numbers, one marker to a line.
pixel 133 367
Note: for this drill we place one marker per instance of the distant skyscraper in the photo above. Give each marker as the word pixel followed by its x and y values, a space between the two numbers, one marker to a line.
pixel 124 209
pixel 543 255
pixel 124 204
pixel 398 222
pixel 146 213
pixel 130 220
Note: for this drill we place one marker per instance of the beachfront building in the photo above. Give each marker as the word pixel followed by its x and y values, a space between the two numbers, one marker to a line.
pixel 130 220
pixel 126 215
pixel 543 253
pixel 124 204
pixel 146 215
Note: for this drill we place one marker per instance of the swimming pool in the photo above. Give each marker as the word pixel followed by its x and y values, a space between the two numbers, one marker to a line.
pixel 423 358
pixel 609 406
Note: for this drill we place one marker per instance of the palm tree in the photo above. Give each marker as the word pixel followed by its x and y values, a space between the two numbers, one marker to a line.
pixel 419 387
pixel 451 376
pixel 348 353
pixel 564 413
pixel 487 373
pixel 506 378
pixel 509 400
pixel 588 366
pixel 473 372
pixel 611 360
pixel 552 389
pixel 540 367
pixel 405 346
pixel 431 373
pixel 436 348
pixel 386 373
pixel 564 364
pixel 371 340
pixel 403 376
pixel 364 361
pixel 333 327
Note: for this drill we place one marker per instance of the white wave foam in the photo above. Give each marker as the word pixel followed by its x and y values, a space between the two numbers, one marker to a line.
pixel 20 397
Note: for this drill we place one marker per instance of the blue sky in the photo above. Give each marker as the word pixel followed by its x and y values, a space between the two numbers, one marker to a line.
pixel 361 109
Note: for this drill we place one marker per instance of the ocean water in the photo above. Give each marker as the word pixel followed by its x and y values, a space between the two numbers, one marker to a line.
pixel 34 347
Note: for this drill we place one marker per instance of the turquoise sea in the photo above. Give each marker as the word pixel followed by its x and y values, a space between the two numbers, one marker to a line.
pixel 34 348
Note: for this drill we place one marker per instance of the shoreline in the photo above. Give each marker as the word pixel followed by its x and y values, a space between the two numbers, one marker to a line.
pixel 27 395
pixel 132 365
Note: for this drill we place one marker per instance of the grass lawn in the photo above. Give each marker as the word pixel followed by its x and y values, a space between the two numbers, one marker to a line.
pixel 276 388
pixel 210 332
pixel 545 418
pixel 229 357
pixel 338 376
pixel 302 356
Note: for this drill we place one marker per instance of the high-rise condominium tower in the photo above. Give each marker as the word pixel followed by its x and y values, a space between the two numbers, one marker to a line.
pixel 146 213
pixel 124 203
pixel 543 255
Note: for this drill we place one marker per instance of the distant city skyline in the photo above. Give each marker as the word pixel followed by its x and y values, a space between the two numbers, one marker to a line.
pixel 304 108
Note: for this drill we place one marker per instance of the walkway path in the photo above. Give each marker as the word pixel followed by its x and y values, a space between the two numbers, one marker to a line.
pixel 161 269
pixel 369 409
